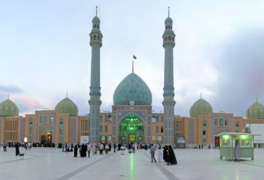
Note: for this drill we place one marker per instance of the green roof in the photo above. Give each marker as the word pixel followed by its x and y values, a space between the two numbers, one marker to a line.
pixel 8 109
pixel 255 111
pixel 67 106
pixel 200 108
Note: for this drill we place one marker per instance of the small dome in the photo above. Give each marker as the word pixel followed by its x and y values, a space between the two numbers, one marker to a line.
pixel 255 111
pixel 67 106
pixel 132 88
pixel 168 19
pixel 96 19
pixel 200 108
pixel 8 109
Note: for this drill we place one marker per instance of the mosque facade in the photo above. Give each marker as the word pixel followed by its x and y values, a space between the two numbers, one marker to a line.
pixel 132 118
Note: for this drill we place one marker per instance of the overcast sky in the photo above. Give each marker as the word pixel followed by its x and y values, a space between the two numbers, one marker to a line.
pixel 219 52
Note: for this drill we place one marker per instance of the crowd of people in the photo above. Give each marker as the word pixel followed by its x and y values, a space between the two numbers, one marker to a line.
pixel 85 149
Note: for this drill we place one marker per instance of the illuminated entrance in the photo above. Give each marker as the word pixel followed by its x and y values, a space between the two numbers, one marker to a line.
pixel 131 129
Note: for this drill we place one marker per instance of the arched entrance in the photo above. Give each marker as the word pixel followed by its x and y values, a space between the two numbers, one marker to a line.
pixel 131 129
pixel 46 136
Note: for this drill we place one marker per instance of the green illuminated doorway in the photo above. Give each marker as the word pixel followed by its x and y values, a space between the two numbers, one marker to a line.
pixel 131 138
pixel 131 129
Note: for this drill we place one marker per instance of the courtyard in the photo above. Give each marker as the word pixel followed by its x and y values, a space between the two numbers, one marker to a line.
pixel 193 164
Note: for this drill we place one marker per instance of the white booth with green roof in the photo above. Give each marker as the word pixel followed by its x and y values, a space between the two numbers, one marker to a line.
pixel 228 141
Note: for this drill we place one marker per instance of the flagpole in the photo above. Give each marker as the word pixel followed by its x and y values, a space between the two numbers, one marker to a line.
pixel 132 65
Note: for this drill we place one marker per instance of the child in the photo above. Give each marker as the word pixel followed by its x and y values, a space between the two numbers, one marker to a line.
pixel 159 154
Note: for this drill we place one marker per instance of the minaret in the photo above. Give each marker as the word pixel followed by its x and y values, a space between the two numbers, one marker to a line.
pixel 168 90
pixel 95 102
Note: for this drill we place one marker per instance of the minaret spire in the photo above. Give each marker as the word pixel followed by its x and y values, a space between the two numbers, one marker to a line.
pixel 256 99
pixel 7 96
pixel 96 11
pixel 66 94
pixel 168 11
pixel 201 96
pixel 133 66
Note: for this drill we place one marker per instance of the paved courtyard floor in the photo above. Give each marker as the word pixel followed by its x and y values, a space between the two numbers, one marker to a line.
pixel 193 164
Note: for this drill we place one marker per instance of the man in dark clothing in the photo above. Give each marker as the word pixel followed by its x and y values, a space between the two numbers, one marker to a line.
pixel 109 146
pixel 114 147
pixel 146 147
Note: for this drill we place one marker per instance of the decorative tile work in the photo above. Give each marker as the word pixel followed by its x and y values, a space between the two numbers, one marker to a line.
pixel 191 131
pixel 73 130
pixel 142 112
pixel 54 125
pixel 132 88
pixel 212 125
pixel 22 130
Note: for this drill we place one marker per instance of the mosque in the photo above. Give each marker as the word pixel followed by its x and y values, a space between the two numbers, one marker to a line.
pixel 132 118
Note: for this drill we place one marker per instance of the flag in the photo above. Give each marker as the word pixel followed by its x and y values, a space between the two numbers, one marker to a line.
pixel 134 57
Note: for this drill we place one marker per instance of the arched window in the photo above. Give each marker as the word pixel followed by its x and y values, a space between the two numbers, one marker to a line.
pixel 157 129
pixel 161 129
pixel 204 123
pixel 94 37
pixel 173 39
pixel 99 38
pixel 166 38
pixel 226 122
pixel 169 38
pixel 41 119
pixel 169 26
pixel 98 26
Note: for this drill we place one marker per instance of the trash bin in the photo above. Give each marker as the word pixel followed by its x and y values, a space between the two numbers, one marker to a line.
pixel 122 149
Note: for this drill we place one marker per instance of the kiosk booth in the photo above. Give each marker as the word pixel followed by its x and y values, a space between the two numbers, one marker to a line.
pixel 229 140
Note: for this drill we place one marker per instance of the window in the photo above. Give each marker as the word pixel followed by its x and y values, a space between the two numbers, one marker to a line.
pixel 11 125
pixel 94 37
pixel 237 124
pixel 166 38
pixel 31 130
pixel 86 125
pixel 204 140
pixel 215 122
pixel 11 137
pixel 169 26
pixel 204 123
pixel 101 118
pixel 204 132
pixel 51 119
pixel 41 119
pixel 101 128
pixel 161 119
pixel 169 38
pixel 97 26
pixel 221 122
pixel 99 38
pixel 157 129
pixel 46 119
pixel 173 39
pixel 161 129
pixel 31 122
pixel 226 122
pixel 61 130
pixel 157 119
pixel 106 128
pixel 106 118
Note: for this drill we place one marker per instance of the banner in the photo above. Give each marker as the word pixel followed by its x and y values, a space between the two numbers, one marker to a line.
pixel 85 139
pixel 181 142
pixel 103 138
pixel 109 137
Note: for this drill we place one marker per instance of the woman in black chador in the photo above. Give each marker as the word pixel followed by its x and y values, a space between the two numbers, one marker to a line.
pixel 165 153
pixel 75 150
pixel 171 158
pixel 17 149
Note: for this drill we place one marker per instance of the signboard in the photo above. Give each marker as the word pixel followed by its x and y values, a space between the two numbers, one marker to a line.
pixel 159 138
pixel 181 142
pixel 103 137
pixel 85 139
pixel 109 137
pixel 153 138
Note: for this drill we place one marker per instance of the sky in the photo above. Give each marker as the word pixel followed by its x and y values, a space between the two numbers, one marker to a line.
pixel 219 51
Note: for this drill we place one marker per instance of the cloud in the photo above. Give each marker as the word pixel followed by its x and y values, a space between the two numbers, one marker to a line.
pixel 26 105
pixel 10 89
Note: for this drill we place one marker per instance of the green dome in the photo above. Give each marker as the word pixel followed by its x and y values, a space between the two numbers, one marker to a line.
pixel 200 108
pixel 8 109
pixel 132 88
pixel 66 106
pixel 256 111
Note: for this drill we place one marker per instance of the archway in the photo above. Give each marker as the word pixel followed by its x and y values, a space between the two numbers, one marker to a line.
pixel 46 136
pixel 131 129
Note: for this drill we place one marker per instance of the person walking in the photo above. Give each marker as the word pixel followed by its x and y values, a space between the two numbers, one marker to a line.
pixel 101 148
pixel 17 148
pixel 159 154
pixel 238 152
pixel 114 147
pixel 106 148
pixel 66 147
pixel 4 146
pixel 89 149
pixel 63 147
pixel 152 152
